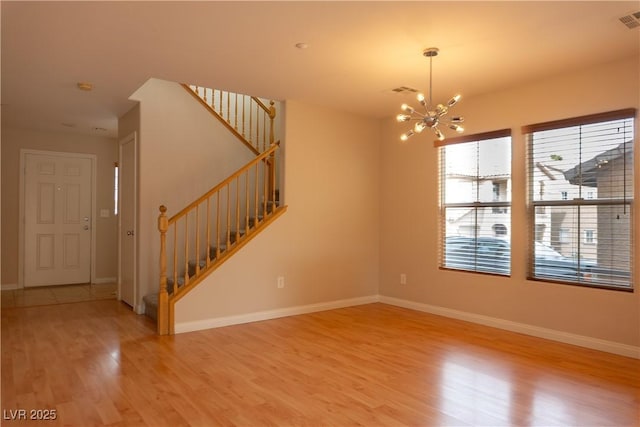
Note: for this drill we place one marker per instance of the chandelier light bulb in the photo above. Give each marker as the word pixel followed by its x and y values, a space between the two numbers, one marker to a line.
pixel 406 135
pixel 441 110
pixel 453 101
pixel 419 127
pixel 421 100
pixel 407 108
pixel 432 115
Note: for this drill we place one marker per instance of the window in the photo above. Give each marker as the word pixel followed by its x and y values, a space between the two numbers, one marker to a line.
pixel 584 212
pixel 589 236
pixel 565 235
pixel 475 192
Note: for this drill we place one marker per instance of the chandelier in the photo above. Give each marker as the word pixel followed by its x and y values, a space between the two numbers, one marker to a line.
pixel 432 115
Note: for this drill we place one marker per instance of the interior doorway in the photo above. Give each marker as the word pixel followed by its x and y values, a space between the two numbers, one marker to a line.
pixel 127 214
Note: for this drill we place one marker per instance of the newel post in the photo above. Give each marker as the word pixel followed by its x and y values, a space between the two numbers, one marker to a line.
pixel 163 296
pixel 272 116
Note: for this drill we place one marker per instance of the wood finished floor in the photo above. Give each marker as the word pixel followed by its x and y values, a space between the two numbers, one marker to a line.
pixel 97 363
pixel 46 295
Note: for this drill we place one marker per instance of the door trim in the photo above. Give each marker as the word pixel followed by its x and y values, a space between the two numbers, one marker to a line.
pixel 21 214
pixel 132 137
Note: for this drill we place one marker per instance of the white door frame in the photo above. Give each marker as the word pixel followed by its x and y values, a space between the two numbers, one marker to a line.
pixel 21 214
pixel 130 138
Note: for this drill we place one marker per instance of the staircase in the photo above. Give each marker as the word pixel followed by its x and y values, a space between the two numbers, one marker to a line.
pixel 199 238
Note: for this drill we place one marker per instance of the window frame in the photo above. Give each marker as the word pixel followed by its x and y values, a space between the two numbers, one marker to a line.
pixel 495 206
pixel 588 200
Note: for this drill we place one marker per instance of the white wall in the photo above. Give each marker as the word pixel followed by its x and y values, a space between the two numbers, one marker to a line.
pixel 409 214
pixel 177 136
pixel 325 245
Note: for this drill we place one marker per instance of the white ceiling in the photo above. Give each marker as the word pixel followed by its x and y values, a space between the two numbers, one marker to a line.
pixel 358 51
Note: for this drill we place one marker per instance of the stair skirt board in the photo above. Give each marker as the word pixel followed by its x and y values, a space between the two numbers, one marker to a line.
pixel 218 322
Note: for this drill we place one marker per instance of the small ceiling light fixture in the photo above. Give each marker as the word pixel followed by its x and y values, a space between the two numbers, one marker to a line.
pixel 433 115
pixel 302 45
pixel 85 86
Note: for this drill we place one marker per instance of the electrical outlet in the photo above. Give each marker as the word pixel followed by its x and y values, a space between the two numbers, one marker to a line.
pixel 403 279
pixel 280 282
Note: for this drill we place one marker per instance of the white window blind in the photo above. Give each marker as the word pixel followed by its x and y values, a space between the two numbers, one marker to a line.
pixel 580 177
pixel 475 192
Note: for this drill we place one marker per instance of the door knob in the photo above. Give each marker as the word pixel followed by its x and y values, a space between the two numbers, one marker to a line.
pixel 129 232
pixel 86 227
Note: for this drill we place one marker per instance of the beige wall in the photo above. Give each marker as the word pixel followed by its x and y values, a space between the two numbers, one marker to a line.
pixel 326 244
pixel 177 136
pixel 409 214
pixel 105 149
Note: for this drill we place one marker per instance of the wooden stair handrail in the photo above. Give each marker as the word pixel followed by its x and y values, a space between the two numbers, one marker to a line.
pixel 224 183
pixel 270 111
pixel 197 249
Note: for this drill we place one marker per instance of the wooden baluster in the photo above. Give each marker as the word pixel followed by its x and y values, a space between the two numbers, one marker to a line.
pixel 236 113
pixel 237 209
pixel 265 189
pixel 264 131
pixel 251 122
pixel 163 296
pixel 272 179
pixel 256 191
pixel 218 225
pixel 228 107
pixel 186 250
pixel 220 103
pixel 208 249
pixel 244 113
pixel 197 257
pixel 228 216
pixel 246 201
pixel 175 257
pixel 204 95
pixel 258 115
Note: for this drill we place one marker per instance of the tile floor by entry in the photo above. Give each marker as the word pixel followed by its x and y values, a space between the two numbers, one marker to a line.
pixel 62 294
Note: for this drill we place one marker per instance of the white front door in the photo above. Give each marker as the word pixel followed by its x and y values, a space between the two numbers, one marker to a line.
pixel 57 239
pixel 127 220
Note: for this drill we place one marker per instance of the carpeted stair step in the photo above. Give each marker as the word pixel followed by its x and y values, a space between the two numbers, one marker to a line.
pixel 151 305
pixel 151 300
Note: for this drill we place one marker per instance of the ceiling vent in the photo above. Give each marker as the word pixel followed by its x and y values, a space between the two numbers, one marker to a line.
pixel 404 89
pixel 632 20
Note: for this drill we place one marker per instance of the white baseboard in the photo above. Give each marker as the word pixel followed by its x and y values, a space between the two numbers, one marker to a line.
pixel 523 328
pixel 270 314
pixel 102 280
pixel 139 308
pixel 9 286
